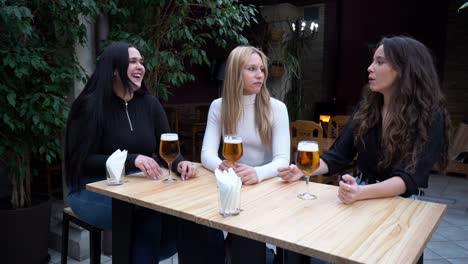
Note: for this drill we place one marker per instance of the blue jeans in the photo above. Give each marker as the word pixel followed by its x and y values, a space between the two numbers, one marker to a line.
pixel 91 207
pixel 154 233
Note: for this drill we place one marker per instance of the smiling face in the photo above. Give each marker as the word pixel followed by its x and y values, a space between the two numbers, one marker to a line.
pixel 136 69
pixel 382 75
pixel 253 74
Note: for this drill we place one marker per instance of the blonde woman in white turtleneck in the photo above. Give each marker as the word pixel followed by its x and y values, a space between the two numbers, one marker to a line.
pixel 246 109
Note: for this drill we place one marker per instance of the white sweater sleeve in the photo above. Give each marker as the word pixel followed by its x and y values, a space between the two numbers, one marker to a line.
pixel 212 138
pixel 280 142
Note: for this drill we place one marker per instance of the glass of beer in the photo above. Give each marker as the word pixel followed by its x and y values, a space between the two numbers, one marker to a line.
pixel 232 148
pixel 168 150
pixel 307 160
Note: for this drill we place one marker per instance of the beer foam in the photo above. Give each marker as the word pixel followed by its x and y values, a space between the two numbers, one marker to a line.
pixel 232 141
pixel 310 146
pixel 169 137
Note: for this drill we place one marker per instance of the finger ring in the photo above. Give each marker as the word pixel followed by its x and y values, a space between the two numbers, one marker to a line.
pixel 349 188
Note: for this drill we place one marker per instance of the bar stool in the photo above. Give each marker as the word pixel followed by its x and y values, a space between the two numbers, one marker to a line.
pixel 94 236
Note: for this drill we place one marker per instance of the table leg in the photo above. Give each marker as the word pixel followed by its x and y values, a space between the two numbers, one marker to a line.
pixel 247 251
pixel 122 231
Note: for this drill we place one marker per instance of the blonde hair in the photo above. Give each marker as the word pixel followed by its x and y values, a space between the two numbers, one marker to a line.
pixel 233 89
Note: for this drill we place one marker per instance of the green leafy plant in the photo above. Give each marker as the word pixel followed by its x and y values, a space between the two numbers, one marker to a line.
pixel 37 69
pixel 174 35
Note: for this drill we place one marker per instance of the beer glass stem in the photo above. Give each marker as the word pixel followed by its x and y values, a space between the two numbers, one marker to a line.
pixel 169 179
pixel 307 195
pixel 169 166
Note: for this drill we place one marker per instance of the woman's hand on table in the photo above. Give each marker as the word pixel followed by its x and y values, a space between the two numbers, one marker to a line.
pixel 187 170
pixel 247 174
pixel 349 190
pixel 148 166
pixel 291 173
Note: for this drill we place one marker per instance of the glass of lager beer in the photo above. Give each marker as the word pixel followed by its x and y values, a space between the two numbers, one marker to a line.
pixel 232 148
pixel 168 150
pixel 307 160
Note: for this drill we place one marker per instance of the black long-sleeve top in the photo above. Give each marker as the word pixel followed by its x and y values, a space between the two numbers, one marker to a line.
pixel 147 119
pixel 343 151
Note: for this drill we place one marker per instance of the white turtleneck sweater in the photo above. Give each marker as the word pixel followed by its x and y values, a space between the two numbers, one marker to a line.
pixel 265 160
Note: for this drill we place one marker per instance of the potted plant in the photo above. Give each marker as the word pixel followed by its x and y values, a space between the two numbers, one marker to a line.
pixel 289 53
pixel 277 69
pixel 37 69
pixel 276 33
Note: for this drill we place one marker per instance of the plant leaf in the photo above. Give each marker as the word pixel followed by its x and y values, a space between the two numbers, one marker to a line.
pixel 11 99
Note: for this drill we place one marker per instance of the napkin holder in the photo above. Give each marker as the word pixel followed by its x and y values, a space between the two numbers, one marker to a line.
pixel 229 190
pixel 115 167
pixel 113 180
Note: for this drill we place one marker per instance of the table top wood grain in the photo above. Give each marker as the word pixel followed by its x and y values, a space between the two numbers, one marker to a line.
pixel 389 230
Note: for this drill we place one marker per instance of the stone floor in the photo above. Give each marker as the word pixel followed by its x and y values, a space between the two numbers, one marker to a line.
pixel 55 258
pixel 449 244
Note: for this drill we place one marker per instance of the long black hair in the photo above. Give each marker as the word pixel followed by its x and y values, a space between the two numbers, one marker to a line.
pixel 85 120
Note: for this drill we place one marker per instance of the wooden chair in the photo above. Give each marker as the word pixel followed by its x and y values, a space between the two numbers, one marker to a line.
pixel 307 130
pixel 201 113
pixel 173 118
pixel 336 125
pixel 304 130
pixel 198 130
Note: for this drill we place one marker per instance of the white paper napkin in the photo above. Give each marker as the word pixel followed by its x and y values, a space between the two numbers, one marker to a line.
pixel 115 164
pixel 229 185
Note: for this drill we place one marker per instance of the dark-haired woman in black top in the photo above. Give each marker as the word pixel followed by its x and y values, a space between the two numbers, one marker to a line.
pixel 116 111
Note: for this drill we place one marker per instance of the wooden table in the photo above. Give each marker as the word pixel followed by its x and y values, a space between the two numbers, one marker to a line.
pixel 390 230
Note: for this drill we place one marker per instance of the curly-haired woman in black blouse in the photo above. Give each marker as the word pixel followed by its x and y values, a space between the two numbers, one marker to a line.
pixel 399 129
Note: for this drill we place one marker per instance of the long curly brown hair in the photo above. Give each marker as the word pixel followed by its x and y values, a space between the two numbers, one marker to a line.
pixel 416 99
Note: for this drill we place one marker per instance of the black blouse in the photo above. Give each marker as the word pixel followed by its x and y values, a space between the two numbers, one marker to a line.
pixel 343 151
pixel 148 120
